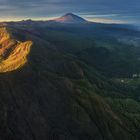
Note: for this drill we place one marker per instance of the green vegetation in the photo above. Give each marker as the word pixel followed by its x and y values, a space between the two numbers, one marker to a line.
pixel 79 80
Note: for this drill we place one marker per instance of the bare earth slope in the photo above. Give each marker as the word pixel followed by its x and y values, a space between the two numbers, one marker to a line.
pixel 13 53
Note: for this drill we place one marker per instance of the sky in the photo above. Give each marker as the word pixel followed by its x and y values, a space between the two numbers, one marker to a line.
pixel 108 11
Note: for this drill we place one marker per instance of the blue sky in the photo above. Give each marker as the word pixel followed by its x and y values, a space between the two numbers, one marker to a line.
pixel 123 11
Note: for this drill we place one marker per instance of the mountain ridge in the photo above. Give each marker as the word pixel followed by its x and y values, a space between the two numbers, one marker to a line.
pixel 13 53
pixel 62 93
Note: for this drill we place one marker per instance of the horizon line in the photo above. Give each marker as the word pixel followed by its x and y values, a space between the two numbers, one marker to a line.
pixel 96 20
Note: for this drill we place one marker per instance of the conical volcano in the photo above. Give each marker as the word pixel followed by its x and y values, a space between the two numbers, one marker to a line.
pixel 71 18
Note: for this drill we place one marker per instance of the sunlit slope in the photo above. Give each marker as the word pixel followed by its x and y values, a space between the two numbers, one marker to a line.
pixel 13 53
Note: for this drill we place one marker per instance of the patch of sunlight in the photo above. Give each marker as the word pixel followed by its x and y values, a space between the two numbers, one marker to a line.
pixel 13 54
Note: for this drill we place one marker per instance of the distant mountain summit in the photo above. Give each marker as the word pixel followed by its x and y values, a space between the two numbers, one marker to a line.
pixel 70 18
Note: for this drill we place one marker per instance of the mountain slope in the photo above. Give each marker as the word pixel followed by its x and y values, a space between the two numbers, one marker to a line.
pixel 59 95
pixel 12 52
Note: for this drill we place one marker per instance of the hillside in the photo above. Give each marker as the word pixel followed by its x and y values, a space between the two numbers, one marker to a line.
pixel 70 83
pixel 13 53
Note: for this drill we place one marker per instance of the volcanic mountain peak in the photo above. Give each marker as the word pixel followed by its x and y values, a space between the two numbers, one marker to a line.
pixel 70 14
pixel 71 18
pixel 13 53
